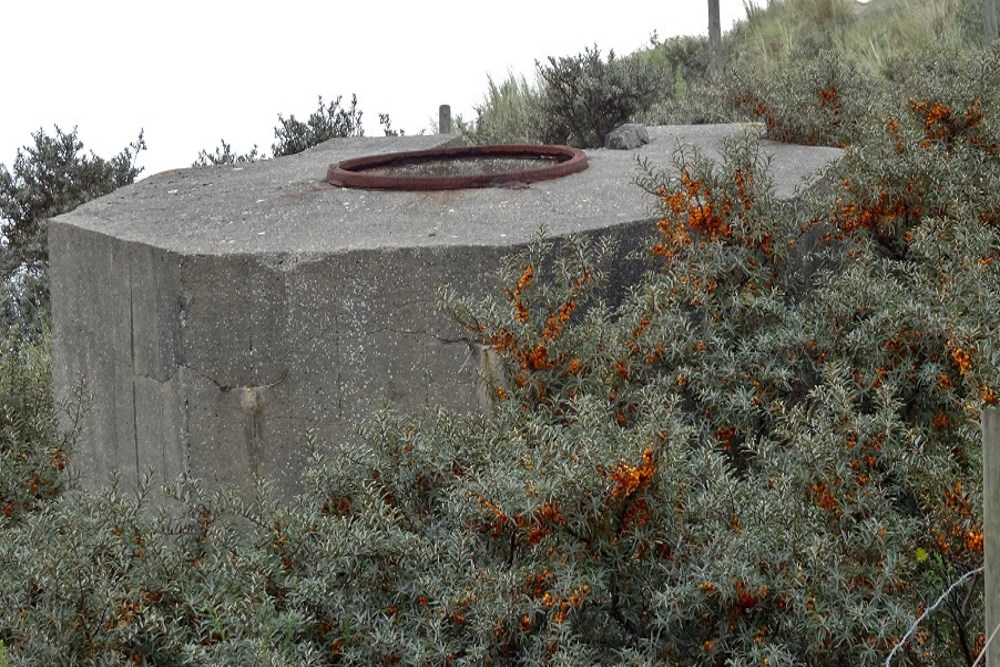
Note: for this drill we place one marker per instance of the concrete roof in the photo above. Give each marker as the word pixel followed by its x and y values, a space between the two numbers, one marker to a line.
pixel 284 205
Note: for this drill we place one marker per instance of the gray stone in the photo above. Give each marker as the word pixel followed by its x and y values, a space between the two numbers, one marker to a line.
pixel 627 137
pixel 217 314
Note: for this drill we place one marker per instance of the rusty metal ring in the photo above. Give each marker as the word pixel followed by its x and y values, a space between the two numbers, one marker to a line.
pixel 354 173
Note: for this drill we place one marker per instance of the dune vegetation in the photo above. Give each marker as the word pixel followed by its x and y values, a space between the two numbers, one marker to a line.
pixel 731 466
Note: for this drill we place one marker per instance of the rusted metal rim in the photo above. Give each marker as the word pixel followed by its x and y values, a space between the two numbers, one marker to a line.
pixel 559 161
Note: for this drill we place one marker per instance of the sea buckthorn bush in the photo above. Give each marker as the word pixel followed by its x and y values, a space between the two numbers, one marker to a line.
pixel 696 103
pixel 931 157
pixel 719 467
pixel 34 451
pixel 851 411
pixel 690 95
pixel 822 101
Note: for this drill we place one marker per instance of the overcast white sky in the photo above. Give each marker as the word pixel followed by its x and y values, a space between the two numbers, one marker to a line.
pixel 190 73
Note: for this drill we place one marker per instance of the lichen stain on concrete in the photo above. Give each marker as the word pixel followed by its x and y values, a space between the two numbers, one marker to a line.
pixel 252 404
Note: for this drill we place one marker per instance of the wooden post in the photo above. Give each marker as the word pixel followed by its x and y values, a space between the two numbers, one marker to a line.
pixel 444 119
pixel 989 22
pixel 714 38
pixel 991 528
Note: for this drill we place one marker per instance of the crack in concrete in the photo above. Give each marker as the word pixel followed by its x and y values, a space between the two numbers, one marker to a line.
pixel 131 333
pixel 419 332
pixel 166 380
pixel 451 341
pixel 233 387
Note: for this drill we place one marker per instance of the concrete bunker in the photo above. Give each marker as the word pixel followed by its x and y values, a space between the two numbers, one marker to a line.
pixel 217 314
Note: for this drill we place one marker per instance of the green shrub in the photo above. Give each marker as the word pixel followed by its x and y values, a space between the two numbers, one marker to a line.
pixel 688 94
pixel 825 100
pixel 687 57
pixel 725 468
pixel 223 154
pixel 98 580
pixel 708 368
pixel 745 458
pixel 51 177
pixel 575 100
pixel 584 97
pixel 697 103
pixel 327 122
pixel 931 158
pixel 851 412
pixel 294 136
pixel 34 452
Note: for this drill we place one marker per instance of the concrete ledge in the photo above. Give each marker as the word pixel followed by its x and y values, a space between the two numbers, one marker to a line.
pixel 218 313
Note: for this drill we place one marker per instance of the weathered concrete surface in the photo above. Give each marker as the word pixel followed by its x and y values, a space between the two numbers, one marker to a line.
pixel 218 313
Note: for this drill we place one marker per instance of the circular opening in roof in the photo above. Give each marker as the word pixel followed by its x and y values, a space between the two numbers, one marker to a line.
pixel 455 168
